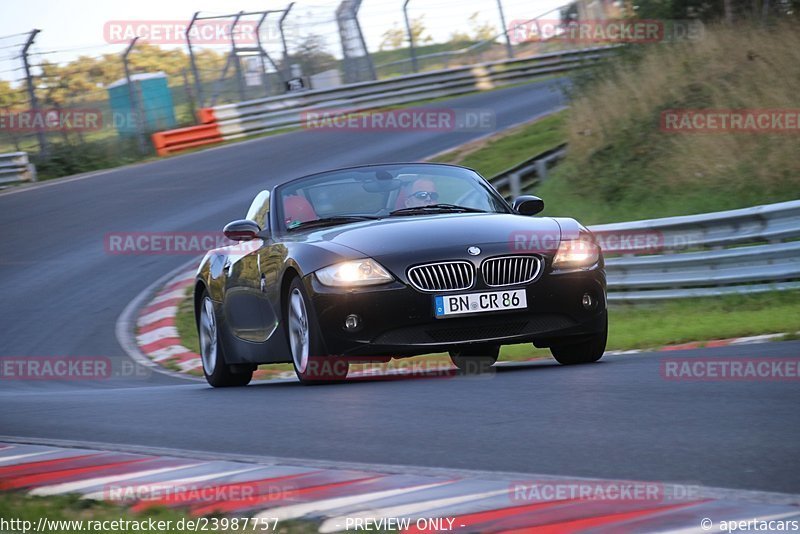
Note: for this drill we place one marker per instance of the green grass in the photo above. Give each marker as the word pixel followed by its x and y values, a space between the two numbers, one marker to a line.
pixel 495 154
pixel 563 199
pixel 639 326
pixel 71 507
pixel 185 324
pixel 622 166
pixel 643 326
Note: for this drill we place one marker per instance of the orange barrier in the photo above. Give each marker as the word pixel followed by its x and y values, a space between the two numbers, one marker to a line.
pixel 171 141
pixel 206 115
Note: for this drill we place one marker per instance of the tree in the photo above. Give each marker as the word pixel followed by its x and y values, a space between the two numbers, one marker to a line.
pixel 481 29
pixel 393 38
pixel 418 30
pixel 10 96
pixel 312 56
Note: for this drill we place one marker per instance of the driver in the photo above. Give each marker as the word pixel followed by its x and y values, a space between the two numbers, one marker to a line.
pixel 422 193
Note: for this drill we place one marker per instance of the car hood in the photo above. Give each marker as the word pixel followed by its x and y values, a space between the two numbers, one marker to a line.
pixel 432 236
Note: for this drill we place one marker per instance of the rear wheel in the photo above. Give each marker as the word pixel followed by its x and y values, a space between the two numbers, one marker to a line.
pixel 474 360
pixel 587 351
pixel 216 371
pixel 310 363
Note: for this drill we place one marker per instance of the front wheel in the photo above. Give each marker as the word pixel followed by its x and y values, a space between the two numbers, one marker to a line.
pixel 310 363
pixel 216 371
pixel 587 351
pixel 475 360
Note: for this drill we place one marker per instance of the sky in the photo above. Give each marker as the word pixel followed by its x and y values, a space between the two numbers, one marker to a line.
pixel 73 27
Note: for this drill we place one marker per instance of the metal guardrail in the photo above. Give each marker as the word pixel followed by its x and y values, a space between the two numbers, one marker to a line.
pixel 523 176
pixel 745 250
pixel 15 167
pixel 262 115
pixel 738 251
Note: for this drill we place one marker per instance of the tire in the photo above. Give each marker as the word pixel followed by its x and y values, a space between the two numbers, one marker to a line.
pixel 311 364
pixel 216 371
pixel 475 360
pixel 587 351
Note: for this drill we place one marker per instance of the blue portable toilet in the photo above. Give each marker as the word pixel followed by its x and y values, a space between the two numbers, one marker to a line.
pixel 154 96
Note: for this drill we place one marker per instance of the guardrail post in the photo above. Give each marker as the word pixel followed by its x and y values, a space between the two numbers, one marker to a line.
pixel 410 38
pixel 43 149
pixel 541 169
pixel 134 98
pixel 514 184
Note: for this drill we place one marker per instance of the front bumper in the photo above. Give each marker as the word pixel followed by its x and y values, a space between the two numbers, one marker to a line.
pixel 397 320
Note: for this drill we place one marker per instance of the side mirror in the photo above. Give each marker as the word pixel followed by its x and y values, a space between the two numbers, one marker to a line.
pixel 528 205
pixel 241 230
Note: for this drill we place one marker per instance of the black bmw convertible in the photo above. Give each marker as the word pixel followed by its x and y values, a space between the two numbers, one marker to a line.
pixel 388 261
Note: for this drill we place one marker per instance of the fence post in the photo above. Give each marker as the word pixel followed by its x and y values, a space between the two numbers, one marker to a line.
pixel 198 84
pixel 43 148
pixel 187 88
pixel 370 65
pixel 134 98
pixel 287 74
pixel 356 59
pixel 410 37
pixel 264 76
pixel 509 48
pixel 237 63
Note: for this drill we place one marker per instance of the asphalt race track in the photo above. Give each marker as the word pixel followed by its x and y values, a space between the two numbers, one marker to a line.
pixel 62 295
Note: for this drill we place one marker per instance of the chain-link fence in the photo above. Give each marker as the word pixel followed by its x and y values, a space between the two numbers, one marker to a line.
pixel 78 109
pixel 94 110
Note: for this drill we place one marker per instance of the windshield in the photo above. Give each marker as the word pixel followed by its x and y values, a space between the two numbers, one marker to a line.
pixel 379 191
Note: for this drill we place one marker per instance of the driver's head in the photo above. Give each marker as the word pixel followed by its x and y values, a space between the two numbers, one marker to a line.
pixel 422 193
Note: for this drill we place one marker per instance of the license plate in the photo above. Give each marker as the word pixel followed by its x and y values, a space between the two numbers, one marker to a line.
pixel 447 305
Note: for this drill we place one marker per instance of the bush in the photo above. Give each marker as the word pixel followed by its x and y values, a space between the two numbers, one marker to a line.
pixel 66 159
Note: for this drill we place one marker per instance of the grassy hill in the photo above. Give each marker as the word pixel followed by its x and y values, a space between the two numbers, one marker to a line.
pixel 622 166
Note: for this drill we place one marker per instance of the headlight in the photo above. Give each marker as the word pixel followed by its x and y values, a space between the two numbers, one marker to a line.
pixel 366 272
pixel 574 253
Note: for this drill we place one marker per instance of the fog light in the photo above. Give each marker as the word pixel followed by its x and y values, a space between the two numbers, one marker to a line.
pixel 587 301
pixel 352 322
